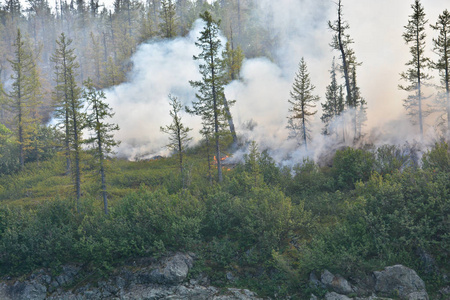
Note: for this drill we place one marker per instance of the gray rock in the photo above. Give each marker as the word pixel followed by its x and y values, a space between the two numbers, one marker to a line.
pixel 418 296
pixel 336 283
pixel 196 292
pixel 314 282
pixel 364 285
pixel 445 292
pixel 173 270
pixel 244 294
pixel 230 276
pixel 28 290
pixel 313 297
pixel 67 276
pixel 146 292
pixel 400 281
pixel 336 296
pixel 373 298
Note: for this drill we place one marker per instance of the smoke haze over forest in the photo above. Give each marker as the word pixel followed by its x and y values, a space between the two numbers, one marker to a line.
pixel 298 29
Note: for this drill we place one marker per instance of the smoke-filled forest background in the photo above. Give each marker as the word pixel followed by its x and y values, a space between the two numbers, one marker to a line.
pixel 117 140
pixel 123 48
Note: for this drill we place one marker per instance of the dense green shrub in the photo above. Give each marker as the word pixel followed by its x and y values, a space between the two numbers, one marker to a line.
pixel 389 159
pixel 352 165
pixel 348 219
pixel 437 159
pixel 9 161
pixel 308 181
pixel 36 238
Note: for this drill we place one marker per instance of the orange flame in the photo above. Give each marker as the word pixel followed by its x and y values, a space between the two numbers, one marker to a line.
pixel 222 159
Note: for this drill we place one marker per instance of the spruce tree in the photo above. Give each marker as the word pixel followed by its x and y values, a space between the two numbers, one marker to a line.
pixel 21 97
pixel 342 42
pixel 178 133
pixel 167 15
pixel 442 48
pixel 102 139
pixel 36 146
pixel 415 75
pixel 302 101
pixel 359 112
pixel 210 97
pixel 334 104
pixel 68 104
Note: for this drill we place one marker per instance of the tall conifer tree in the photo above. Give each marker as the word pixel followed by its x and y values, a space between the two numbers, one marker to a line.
pixel 415 75
pixel 442 48
pixel 102 140
pixel 168 25
pixel 302 101
pixel 342 42
pixel 177 131
pixel 210 97
pixel 334 103
pixel 68 102
pixel 24 87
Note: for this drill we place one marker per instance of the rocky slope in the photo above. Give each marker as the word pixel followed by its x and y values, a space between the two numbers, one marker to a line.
pixel 167 278
pixel 398 282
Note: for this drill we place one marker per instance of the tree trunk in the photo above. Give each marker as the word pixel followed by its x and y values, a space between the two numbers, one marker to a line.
pixel 447 88
pixel 208 156
pixel 216 114
pixel 419 84
pixel 350 101
pixel 76 148
pixel 230 121
pixel 305 138
pixel 102 174
pixel 180 156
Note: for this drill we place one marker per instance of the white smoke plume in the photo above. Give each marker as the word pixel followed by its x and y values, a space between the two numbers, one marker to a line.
pixel 300 30
pixel 141 104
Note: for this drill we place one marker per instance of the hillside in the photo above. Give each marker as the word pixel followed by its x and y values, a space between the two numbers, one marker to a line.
pixel 265 225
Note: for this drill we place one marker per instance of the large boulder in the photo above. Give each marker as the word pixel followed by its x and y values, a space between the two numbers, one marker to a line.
pixel 173 270
pixel 400 281
pixel 336 283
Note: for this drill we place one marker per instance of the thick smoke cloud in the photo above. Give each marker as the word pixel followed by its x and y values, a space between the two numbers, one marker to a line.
pixel 141 105
pixel 300 29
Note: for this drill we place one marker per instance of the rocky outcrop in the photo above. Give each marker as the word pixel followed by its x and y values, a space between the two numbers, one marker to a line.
pixel 146 279
pixel 31 290
pixel 396 281
pixel 167 278
pixel 400 281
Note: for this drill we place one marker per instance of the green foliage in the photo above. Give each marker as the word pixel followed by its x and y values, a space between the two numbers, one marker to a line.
pixel 437 159
pixel 309 180
pixel 352 165
pixel 302 102
pixel 36 238
pixel 211 104
pixel 247 225
pixel 415 76
pixel 8 152
pixel 334 104
pixel 167 15
pixel 389 159
pixel 144 223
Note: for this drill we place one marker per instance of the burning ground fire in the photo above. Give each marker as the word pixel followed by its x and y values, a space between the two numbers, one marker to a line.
pixel 225 165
